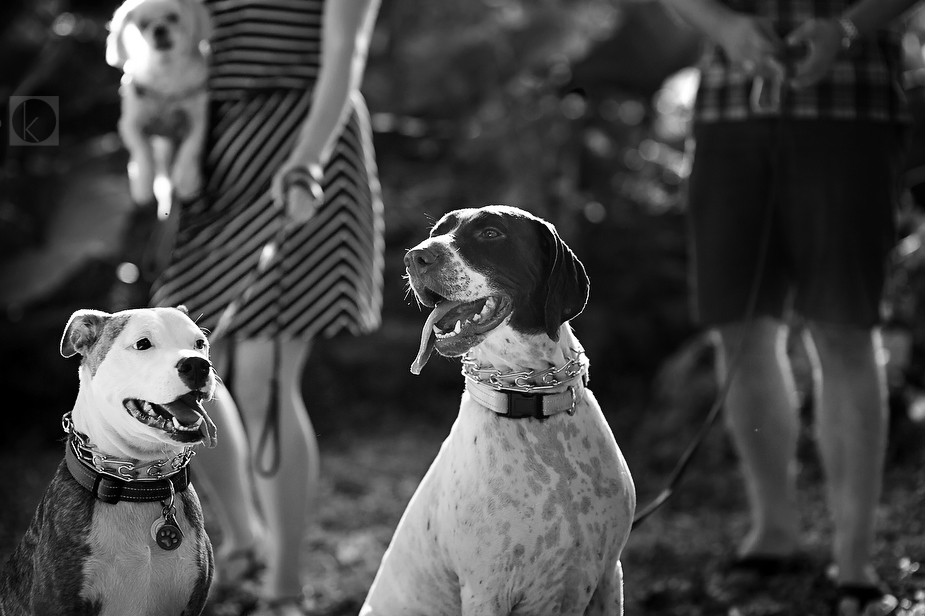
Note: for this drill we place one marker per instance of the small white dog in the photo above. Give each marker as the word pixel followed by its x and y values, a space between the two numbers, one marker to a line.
pixel 161 47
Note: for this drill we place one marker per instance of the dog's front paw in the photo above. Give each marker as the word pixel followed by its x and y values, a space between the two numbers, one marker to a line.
pixel 186 180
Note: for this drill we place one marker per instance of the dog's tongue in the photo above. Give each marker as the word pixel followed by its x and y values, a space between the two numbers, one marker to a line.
pixel 188 409
pixel 428 338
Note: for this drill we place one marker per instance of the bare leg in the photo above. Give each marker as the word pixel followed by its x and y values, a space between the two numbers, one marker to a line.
pixel 852 426
pixel 286 497
pixel 764 425
pixel 226 479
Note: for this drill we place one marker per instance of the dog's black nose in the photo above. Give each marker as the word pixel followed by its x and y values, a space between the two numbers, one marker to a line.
pixel 160 32
pixel 421 259
pixel 194 371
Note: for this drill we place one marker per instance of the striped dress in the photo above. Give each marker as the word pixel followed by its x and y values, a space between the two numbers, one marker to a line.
pixel 328 274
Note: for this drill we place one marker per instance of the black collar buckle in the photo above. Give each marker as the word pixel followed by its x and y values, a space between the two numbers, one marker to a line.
pixel 522 405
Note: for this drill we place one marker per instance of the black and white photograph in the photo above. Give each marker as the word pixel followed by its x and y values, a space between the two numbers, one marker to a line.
pixel 301 301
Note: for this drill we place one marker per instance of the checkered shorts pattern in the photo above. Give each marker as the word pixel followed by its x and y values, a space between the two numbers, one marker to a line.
pixel 864 83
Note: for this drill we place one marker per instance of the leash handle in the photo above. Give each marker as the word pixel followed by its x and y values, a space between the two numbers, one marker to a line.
pixel 268 443
pixel 269 439
pixel 308 178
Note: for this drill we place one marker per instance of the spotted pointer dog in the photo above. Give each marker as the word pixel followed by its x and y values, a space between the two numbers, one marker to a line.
pixel 528 504
pixel 119 530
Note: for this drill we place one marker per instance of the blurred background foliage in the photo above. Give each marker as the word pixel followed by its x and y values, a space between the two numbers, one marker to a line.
pixel 577 110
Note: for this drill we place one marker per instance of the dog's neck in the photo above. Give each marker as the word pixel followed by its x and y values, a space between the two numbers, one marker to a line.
pixel 509 351
pixel 108 428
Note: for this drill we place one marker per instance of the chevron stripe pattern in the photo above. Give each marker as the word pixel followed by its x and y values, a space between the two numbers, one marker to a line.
pixel 327 277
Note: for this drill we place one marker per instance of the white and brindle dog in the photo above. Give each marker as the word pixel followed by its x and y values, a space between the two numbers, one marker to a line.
pixel 161 46
pixel 119 530
pixel 529 503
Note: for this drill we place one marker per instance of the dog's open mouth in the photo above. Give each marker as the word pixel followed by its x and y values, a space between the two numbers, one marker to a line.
pixel 454 327
pixel 184 419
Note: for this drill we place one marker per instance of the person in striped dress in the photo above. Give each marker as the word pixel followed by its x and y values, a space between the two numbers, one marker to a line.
pixel 799 131
pixel 284 245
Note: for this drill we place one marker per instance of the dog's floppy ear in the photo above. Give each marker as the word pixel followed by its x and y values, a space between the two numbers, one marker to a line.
pixel 81 331
pixel 115 49
pixel 202 24
pixel 567 283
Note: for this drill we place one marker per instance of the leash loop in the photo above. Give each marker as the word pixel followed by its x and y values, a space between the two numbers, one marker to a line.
pixel 273 254
pixel 269 439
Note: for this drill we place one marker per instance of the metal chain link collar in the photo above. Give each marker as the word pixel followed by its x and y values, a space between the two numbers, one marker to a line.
pixel 528 381
pixel 126 470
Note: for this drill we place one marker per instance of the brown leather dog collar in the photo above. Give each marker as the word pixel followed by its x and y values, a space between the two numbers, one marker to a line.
pixel 111 489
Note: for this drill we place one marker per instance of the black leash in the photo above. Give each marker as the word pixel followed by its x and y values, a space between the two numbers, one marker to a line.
pixel 773 194
pixel 268 441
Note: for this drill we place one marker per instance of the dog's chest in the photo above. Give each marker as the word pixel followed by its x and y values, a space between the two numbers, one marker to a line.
pixel 127 573
pixel 528 496
pixel 171 121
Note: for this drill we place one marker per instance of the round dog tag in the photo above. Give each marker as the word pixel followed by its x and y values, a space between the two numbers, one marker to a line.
pixel 166 534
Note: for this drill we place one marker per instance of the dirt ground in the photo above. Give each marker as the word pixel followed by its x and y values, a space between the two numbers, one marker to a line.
pixel 673 563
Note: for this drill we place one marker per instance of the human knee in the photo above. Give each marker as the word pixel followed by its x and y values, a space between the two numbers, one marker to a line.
pixel 753 343
pixel 846 345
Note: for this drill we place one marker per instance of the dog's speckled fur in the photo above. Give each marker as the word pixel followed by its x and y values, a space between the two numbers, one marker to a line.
pixel 514 516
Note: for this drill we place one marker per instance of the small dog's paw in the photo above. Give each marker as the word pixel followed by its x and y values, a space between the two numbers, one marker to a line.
pixel 186 181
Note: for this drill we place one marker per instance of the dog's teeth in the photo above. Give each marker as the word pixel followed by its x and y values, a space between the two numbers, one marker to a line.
pixel 458 327
pixel 476 318
pixel 176 424
pixel 489 304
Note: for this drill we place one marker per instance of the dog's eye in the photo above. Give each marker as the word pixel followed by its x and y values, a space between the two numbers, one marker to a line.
pixel 142 344
pixel 172 18
pixel 201 344
pixel 143 24
pixel 489 233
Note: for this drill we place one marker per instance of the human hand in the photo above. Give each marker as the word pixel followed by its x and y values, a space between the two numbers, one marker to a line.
pixel 822 40
pixel 751 45
pixel 296 187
